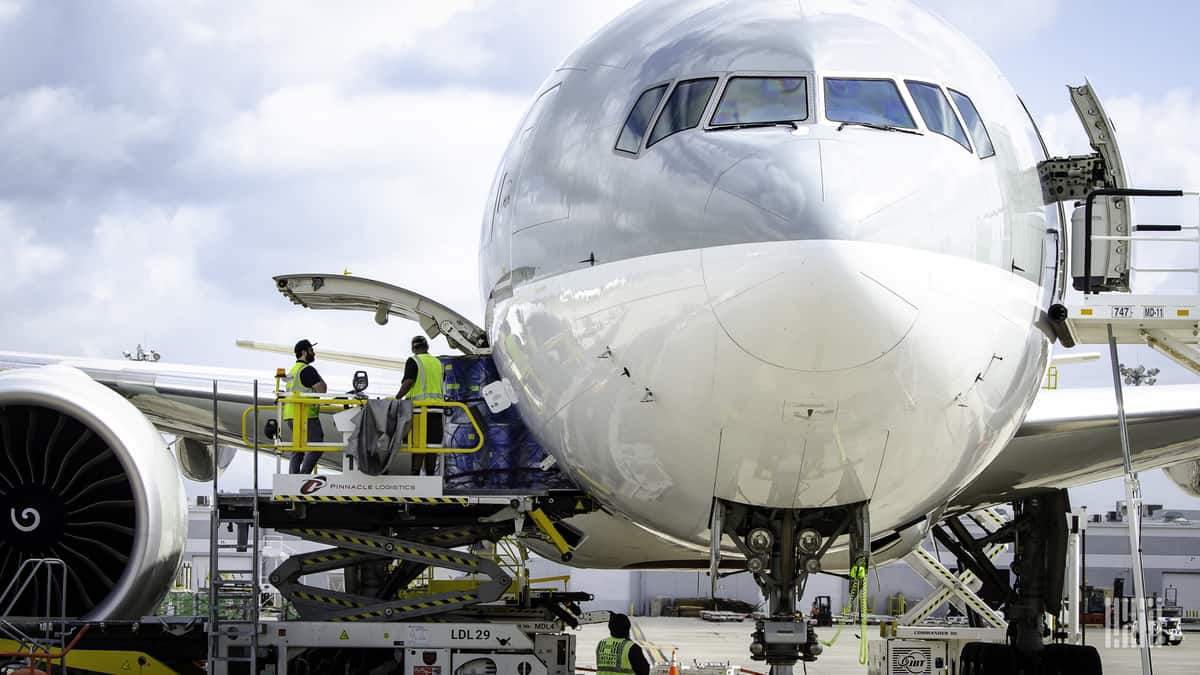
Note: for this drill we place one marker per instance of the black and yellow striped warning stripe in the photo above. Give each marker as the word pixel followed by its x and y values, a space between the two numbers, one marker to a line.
pixel 435 500
pixel 374 614
pixel 462 501
pixel 441 557
pixel 449 535
pixel 329 600
pixel 329 557
pixel 375 543
pixel 342 537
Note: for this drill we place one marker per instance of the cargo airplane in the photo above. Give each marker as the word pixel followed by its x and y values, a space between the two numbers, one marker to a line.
pixel 770 281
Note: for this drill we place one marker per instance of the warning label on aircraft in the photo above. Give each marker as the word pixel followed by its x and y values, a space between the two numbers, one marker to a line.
pixel 355 486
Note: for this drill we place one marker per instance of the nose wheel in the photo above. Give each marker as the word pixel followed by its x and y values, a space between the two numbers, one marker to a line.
pixel 782 548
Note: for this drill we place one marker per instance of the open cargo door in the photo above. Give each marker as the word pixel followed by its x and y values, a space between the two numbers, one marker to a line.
pixel 341 291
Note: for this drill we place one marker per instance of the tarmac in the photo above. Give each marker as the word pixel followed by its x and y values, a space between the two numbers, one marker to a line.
pixel 700 642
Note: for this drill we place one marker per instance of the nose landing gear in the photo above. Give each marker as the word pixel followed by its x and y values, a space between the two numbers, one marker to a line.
pixel 782 548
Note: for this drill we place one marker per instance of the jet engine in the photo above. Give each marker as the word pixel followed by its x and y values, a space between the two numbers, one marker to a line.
pixel 1186 475
pixel 85 478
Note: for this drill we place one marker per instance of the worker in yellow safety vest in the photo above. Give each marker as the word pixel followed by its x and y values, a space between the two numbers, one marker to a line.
pixel 619 655
pixel 423 382
pixel 304 378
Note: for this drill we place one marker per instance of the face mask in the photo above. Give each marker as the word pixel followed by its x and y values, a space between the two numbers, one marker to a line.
pixel 312 356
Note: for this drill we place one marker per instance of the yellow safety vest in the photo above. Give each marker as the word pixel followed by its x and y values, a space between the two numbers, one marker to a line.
pixel 612 657
pixel 429 379
pixel 294 387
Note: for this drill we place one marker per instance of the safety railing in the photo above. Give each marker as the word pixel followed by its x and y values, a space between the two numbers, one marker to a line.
pixel 54 614
pixel 415 442
pixel 1141 233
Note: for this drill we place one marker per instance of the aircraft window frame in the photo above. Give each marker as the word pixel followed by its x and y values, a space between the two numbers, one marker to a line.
pixel 965 142
pixel 667 87
pixel 705 112
pixel 900 94
pixel 809 99
pixel 987 135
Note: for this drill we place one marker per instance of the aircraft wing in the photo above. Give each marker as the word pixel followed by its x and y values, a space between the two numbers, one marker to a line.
pixel 1071 437
pixel 177 399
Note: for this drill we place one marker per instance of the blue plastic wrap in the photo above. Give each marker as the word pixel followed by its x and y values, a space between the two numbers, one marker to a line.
pixel 510 457
pixel 463 377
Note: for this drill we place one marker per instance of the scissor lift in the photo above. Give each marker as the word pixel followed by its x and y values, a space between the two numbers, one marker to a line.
pixel 387 534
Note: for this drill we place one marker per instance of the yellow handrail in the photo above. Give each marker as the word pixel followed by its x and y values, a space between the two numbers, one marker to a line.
pixel 302 403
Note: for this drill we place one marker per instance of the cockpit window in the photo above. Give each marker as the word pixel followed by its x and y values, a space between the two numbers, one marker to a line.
pixel 936 110
pixel 866 102
pixel 758 100
pixel 683 109
pixel 630 139
pixel 979 133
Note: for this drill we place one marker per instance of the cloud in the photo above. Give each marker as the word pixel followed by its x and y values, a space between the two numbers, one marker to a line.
pixel 318 129
pixel 9 9
pixel 1150 132
pixel 24 259
pixel 998 25
pixel 47 132
pixel 486 46
pixel 159 164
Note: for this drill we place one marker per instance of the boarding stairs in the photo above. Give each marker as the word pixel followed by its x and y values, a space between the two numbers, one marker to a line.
pixel 1104 266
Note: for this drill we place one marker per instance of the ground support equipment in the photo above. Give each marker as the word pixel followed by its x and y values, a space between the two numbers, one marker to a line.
pixel 415 648
pixel 153 646
pixel 383 544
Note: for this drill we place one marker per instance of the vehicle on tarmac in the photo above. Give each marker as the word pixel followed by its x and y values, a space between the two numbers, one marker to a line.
pixel 1168 631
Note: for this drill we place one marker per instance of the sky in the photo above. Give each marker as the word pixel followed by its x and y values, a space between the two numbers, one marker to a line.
pixel 159 162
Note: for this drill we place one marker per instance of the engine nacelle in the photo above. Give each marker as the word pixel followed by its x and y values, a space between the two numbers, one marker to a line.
pixel 1186 475
pixel 86 478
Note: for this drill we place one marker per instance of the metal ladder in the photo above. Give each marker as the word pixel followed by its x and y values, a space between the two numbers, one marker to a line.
pixel 54 625
pixel 239 588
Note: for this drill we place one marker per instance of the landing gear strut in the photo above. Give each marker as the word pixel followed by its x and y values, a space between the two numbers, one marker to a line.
pixel 1038 532
pixel 782 547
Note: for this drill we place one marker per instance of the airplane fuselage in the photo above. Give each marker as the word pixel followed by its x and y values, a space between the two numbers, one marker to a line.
pixel 800 315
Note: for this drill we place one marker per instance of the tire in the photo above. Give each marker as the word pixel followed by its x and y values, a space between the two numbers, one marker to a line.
pixel 995 659
pixel 968 658
pixel 1058 659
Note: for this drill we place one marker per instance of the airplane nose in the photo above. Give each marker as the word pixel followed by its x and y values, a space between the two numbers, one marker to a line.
pixel 808 297
pixel 813 305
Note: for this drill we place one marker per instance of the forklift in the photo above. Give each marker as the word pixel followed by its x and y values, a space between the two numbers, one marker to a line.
pixel 822 611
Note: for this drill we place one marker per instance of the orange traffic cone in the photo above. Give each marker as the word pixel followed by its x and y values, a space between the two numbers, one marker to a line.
pixel 674 668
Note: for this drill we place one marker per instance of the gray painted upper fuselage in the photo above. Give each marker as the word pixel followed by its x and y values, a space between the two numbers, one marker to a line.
pixel 564 198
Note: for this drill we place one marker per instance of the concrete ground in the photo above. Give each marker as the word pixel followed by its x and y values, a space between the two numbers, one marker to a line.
pixel 702 641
